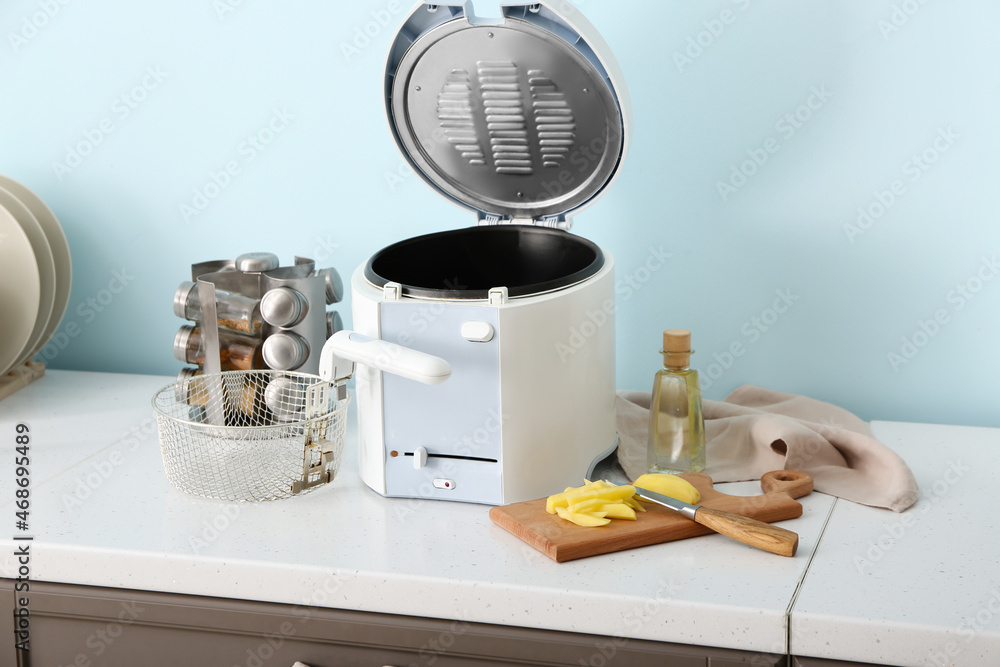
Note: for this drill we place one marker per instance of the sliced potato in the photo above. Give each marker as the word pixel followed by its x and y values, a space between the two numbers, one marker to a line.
pixel 595 503
pixel 586 520
pixel 588 505
pixel 618 510
pixel 670 485
pixel 634 504
pixel 609 493
pixel 594 490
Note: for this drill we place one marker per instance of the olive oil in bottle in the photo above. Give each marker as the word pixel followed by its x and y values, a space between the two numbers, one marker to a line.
pixel 676 424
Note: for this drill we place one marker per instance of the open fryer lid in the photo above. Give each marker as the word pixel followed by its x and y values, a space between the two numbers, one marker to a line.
pixel 526 119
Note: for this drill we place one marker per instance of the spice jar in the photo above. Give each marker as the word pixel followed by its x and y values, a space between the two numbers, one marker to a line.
pixel 192 389
pixel 285 351
pixel 237 352
pixel 234 311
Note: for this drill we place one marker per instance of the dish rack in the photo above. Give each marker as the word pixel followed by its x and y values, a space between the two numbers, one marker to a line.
pixel 36 275
pixel 251 435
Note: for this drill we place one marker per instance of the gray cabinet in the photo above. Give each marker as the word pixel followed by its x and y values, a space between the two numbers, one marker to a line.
pixel 823 662
pixel 87 626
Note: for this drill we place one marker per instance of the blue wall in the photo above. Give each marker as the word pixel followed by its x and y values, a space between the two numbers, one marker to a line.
pixel 823 176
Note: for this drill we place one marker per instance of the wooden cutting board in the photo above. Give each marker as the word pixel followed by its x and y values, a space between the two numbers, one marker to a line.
pixel 561 540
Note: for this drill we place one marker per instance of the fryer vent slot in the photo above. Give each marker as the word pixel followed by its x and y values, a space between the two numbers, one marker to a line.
pixel 503 108
pixel 518 141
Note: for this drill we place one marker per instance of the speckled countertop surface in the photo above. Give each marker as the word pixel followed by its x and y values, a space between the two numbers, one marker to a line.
pixel 917 588
pixel 104 514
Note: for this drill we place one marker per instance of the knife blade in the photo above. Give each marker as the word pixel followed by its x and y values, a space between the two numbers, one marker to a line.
pixel 755 533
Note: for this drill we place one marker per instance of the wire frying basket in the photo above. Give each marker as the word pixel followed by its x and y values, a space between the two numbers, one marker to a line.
pixel 250 435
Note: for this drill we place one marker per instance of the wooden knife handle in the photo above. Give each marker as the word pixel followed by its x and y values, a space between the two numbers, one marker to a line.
pixel 758 534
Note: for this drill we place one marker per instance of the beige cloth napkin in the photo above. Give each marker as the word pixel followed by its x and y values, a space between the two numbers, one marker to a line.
pixel 756 430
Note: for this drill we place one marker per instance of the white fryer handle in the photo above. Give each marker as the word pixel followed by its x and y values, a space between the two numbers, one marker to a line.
pixel 344 348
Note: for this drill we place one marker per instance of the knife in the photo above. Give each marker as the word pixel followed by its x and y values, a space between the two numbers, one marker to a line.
pixel 743 529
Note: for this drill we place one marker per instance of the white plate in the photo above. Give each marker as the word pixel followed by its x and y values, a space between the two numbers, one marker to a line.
pixel 60 254
pixel 46 268
pixel 20 288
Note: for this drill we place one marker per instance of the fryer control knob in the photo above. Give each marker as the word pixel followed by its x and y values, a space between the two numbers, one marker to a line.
pixel 419 457
pixel 477 332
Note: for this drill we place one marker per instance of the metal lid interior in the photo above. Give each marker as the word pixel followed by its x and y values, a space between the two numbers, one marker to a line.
pixel 514 120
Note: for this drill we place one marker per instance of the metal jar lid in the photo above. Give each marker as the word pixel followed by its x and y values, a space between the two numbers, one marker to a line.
pixel 181 297
pixel 257 262
pixel 334 323
pixel 285 351
pixel 519 119
pixel 285 398
pixel 183 386
pixel 181 341
pixel 334 285
pixel 283 307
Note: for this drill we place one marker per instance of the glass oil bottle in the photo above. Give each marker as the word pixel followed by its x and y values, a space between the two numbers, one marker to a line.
pixel 676 423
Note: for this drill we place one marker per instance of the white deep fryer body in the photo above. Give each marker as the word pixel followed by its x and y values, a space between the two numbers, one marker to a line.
pixel 545 410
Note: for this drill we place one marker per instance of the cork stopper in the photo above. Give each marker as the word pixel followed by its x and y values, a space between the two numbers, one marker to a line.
pixel 676 349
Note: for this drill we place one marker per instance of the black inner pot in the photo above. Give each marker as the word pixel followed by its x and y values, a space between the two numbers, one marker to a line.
pixel 467 263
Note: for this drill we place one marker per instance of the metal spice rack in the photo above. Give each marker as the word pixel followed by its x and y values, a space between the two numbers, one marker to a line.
pixel 291 325
pixel 254 389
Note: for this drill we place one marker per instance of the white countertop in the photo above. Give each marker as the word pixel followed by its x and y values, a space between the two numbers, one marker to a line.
pixel 122 524
pixel 917 588
pixel 103 513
